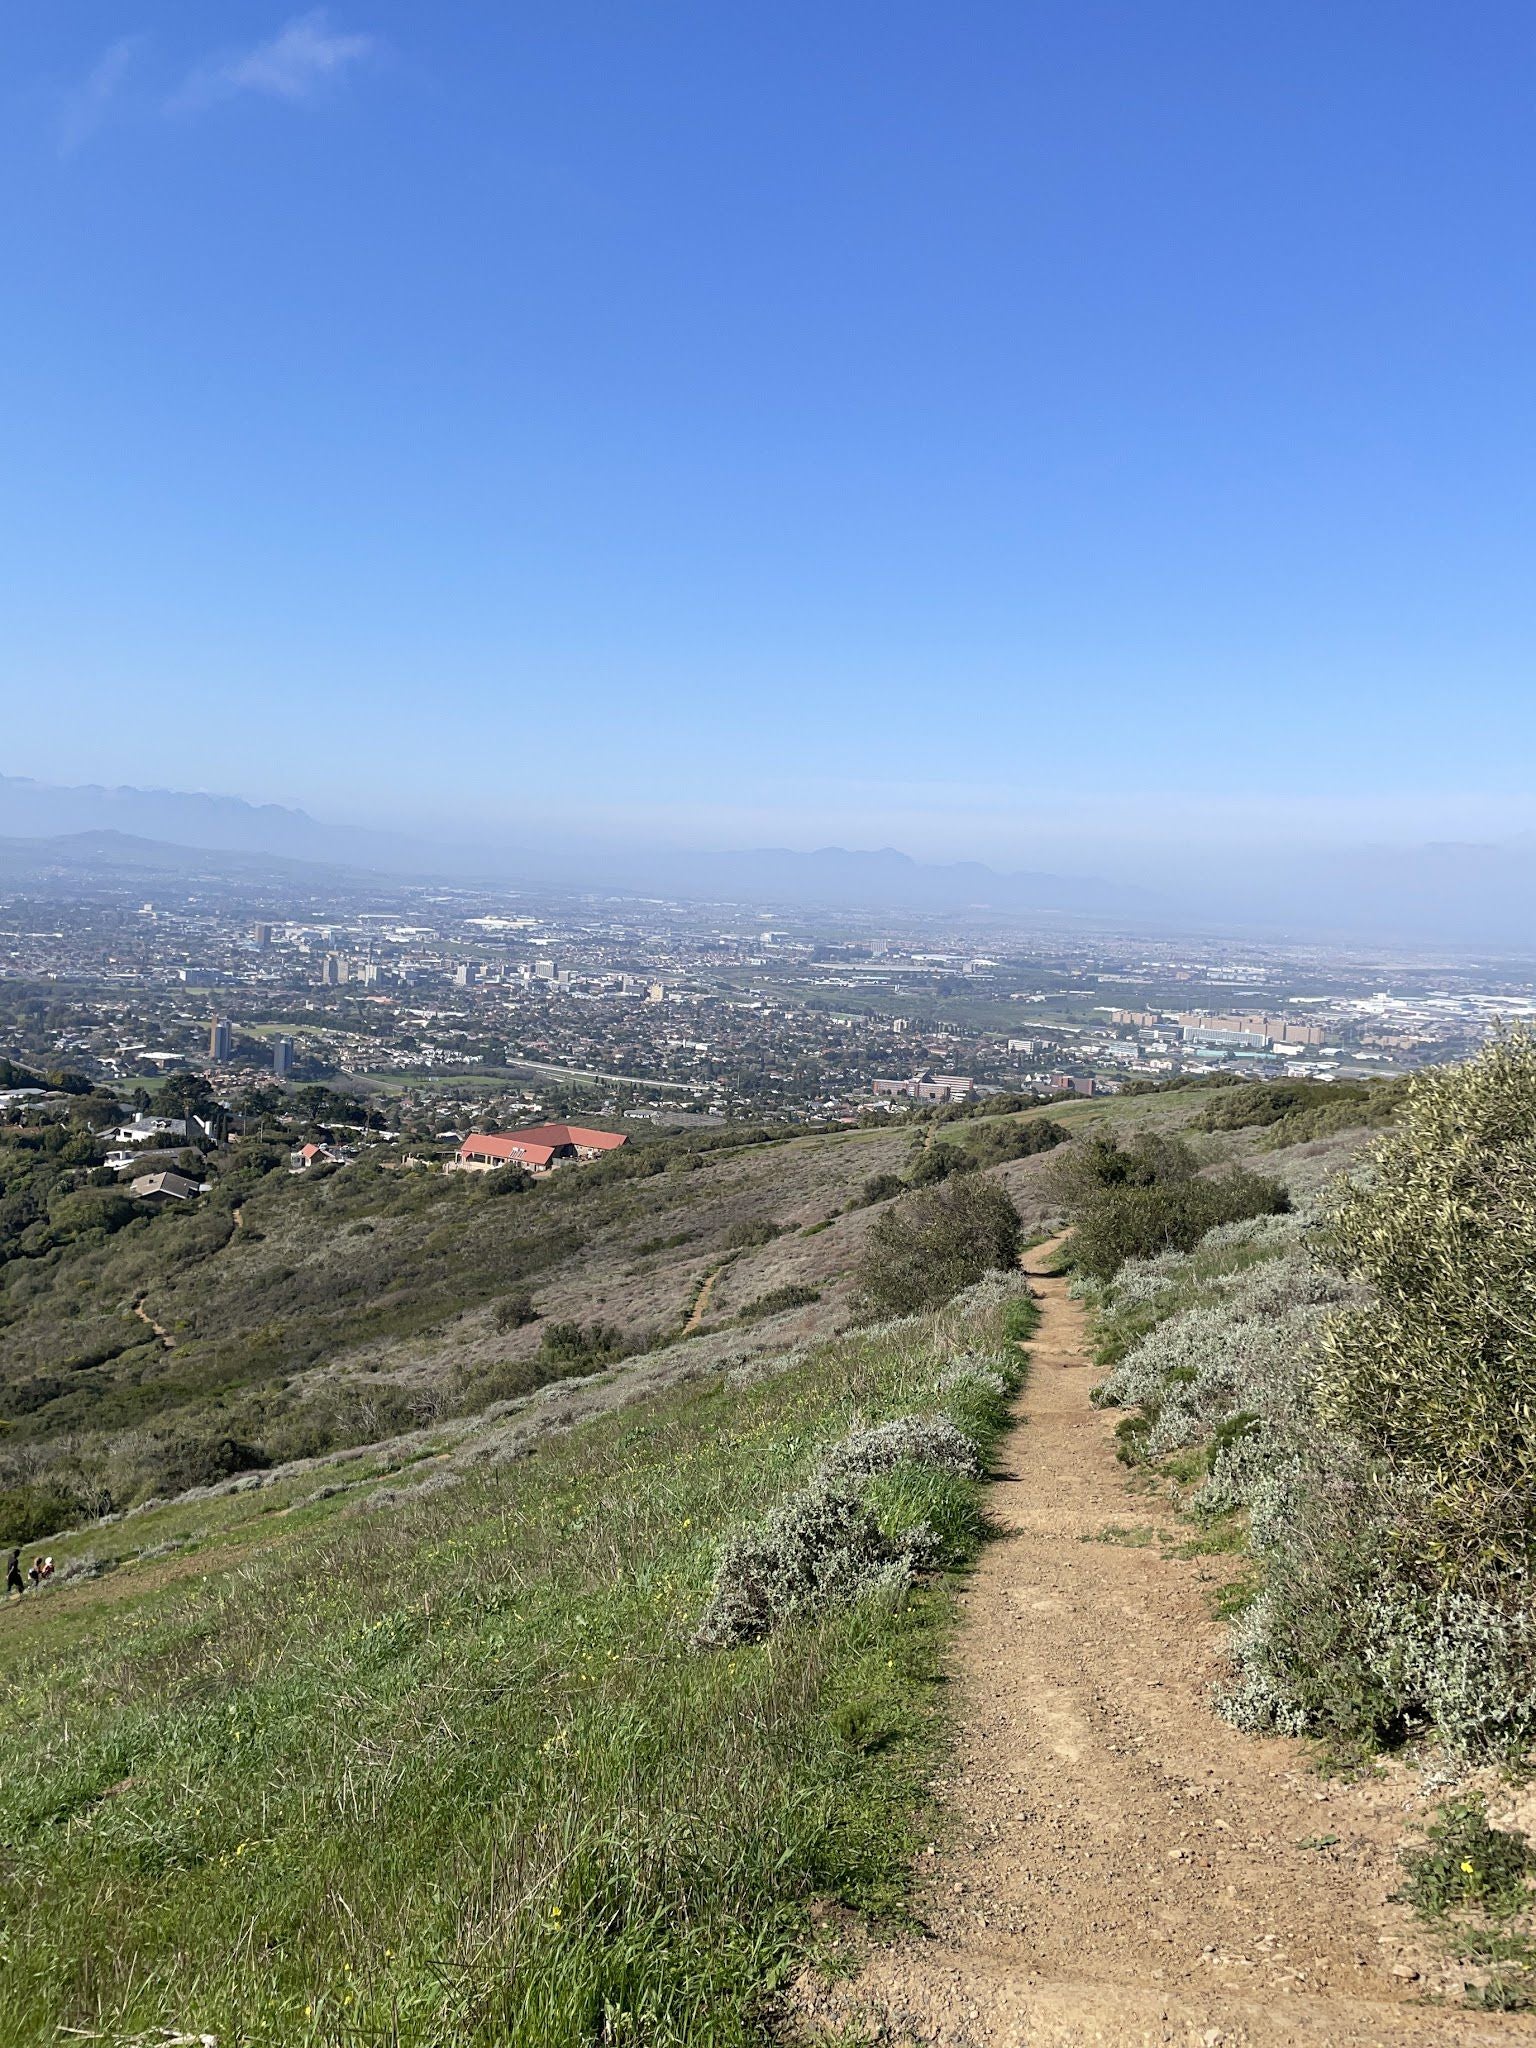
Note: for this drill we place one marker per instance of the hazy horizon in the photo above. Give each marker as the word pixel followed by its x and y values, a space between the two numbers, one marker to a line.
pixel 1471 894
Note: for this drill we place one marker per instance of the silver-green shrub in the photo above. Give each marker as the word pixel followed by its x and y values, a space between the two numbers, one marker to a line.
pixel 973 1369
pixel 821 1548
pixel 1388 1662
pixel 916 1439
pixel 1245 1353
pixel 1472 1663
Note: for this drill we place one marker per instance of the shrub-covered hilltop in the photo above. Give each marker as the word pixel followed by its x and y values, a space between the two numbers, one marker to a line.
pixel 1342 1378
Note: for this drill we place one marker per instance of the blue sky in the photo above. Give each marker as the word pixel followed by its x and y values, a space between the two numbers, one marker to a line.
pixel 1004 429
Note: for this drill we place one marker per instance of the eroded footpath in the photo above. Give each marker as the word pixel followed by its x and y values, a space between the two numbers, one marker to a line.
pixel 1119 1865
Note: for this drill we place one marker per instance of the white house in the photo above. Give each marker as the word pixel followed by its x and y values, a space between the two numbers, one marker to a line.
pixel 143 1129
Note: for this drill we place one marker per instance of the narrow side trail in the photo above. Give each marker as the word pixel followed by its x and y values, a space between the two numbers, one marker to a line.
pixel 697 1312
pixel 1121 1867
pixel 159 1329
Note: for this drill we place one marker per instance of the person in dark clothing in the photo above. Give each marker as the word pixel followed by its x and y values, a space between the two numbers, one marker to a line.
pixel 14 1582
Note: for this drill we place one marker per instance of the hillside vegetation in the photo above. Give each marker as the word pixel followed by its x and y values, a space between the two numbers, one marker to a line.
pixel 284 1316
pixel 356 1763
pixel 1354 1386
pixel 569 1714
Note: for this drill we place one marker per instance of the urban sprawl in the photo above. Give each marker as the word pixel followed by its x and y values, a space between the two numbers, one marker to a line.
pixel 435 1006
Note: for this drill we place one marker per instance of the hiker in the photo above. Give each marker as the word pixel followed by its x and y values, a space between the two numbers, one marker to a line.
pixel 14 1583
pixel 35 1571
pixel 47 1571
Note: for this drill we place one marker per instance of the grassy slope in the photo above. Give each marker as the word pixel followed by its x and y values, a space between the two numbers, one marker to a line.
pixel 450 1769
pixel 345 1309
pixel 418 1765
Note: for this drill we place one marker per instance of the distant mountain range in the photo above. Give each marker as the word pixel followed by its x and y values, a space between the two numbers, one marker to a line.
pixel 119 827
pixel 835 878
pixel 1463 895
pixel 124 854
pixel 175 817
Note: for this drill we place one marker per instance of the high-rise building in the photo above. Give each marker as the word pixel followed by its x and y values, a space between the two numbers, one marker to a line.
pixel 262 934
pixel 221 1040
pixel 282 1058
pixel 333 971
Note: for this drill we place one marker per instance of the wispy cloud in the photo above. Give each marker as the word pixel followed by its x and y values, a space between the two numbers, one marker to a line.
pixel 88 105
pixel 296 65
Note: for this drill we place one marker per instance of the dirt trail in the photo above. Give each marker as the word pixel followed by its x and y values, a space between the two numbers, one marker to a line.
pixel 1121 1866
pixel 160 1331
pixel 696 1313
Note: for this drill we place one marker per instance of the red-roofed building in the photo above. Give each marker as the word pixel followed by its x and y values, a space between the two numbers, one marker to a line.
pixel 536 1149
pixel 316 1155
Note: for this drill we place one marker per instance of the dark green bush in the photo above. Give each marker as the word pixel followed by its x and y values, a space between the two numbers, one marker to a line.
pixel 589 1345
pixel 926 1247
pixel 1436 1371
pixel 1087 1170
pixel 182 1462
pixel 90 1209
pixel 748 1236
pixel 990 1144
pixel 514 1310
pixel 506 1180
pixel 881 1187
pixel 794 1295
pixel 28 1512
pixel 1138 1220
pixel 937 1163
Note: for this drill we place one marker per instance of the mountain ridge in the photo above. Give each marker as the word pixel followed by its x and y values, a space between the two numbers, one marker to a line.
pixel 831 877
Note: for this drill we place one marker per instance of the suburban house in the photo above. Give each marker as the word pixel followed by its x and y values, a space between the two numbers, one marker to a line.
pixel 144 1128
pixel 164 1187
pixel 536 1150
pixel 316 1155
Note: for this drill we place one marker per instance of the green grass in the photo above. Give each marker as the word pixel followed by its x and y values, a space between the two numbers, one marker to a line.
pixel 1020 1318
pixel 1471 1883
pixel 451 1770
